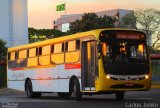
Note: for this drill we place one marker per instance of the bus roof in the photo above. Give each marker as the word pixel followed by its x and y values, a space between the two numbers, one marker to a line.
pixel 65 38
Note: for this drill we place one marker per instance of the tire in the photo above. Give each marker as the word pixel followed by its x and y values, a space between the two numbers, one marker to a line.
pixel 29 91
pixel 76 90
pixel 119 95
pixel 64 95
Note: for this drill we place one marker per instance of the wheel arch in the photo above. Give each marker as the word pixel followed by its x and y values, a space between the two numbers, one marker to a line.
pixel 71 82
pixel 27 79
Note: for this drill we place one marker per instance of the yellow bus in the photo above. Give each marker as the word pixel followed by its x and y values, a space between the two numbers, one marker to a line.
pixel 101 61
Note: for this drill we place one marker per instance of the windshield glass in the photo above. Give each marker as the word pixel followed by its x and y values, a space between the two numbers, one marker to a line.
pixel 124 52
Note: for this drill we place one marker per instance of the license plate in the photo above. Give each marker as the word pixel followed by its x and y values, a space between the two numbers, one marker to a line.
pixel 129 84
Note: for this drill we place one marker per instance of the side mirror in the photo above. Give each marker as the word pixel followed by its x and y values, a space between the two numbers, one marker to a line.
pixel 99 47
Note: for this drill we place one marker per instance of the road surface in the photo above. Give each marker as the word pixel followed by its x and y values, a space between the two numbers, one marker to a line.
pixel 139 99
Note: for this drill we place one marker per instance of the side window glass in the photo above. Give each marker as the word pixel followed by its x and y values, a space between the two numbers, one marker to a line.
pixel 33 52
pixel 12 56
pixel 58 48
pixel 22 54
pixel 46 50
pixel 72 45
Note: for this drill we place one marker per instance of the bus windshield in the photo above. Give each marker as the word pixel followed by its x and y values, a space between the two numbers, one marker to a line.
pixel 124 52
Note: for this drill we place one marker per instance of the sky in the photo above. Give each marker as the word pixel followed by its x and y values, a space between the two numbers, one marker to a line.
pixel 42 13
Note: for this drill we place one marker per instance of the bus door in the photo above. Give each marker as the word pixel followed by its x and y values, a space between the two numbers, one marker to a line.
pixel 89 65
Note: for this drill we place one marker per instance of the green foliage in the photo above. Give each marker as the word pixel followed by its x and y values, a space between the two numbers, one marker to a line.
pixel 3 76
pixel 148 20
pixel 91 21
pixel 128 21
pixel 3 54
pixel 3 50
pixel 47 33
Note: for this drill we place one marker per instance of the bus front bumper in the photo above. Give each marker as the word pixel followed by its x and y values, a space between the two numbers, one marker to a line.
pixel 104 84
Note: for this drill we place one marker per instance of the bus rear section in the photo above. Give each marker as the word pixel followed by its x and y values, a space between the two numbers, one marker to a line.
pixel 123 63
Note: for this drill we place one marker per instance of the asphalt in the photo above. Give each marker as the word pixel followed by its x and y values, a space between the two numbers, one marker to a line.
pixel 137 99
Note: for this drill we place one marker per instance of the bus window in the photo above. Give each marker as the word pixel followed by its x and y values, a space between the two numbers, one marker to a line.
pixel 44 55
pixel 72 45
pixel 22 54
pixel 58 48
pixel 46 50
pixel 58 56
pixel 72 54
pixel 33 59
pixel 12 56
pixel 33 52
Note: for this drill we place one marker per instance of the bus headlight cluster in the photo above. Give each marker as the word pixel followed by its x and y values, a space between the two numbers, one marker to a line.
pixel 146 76
pixel 108 77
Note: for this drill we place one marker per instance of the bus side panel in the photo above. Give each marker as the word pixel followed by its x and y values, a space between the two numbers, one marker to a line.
pixel 48 79
pixel 66 73
pixel 15 80
pixel 17 85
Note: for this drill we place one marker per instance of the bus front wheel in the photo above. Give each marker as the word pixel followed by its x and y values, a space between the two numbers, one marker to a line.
pixel 119 95
pixel 29 91
pixel 76 90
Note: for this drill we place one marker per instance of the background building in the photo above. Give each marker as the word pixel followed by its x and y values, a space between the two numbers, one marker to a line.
pixel 14 22
pixel 64 21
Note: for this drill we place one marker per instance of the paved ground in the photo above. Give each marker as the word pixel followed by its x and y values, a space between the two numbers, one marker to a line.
pixel 140 99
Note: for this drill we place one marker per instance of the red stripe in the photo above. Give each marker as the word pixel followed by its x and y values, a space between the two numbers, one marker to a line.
pixel 15 69
pixel 73 66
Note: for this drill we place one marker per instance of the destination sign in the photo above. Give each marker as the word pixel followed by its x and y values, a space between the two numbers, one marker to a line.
pixel 129 35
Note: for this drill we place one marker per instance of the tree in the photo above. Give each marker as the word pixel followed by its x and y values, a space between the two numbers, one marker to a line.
pixel 91 21
pixel 128 21
pixel 148 20
pixel 3 50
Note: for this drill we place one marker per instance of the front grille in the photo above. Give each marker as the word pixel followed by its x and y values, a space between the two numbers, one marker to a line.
pixel 124 86
pixel 131 79
pixel 127 77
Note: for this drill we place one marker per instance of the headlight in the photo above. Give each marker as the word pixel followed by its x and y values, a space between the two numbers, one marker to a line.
pixel 108 77
pixel 146 76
